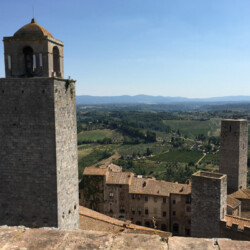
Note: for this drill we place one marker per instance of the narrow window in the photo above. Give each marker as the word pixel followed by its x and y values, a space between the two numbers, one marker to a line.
pixel 133 210
pixel 34 62
pixel 146 211
pixel 176 228
pixel 164 200
pixel 146 198
pixel 28 59
pixel 139 210
pixel 56 61
pixel 9 62
pixel 174 213
pixel 41 59
pixel 164 214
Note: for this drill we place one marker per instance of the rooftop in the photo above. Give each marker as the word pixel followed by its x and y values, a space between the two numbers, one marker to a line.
pixel 243 194
pixel 232 202
pixel 156 187
pixel 32 29
pixel 209 175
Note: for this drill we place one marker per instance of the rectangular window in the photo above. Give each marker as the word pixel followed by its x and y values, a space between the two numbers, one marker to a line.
pixel 111 194
pixel 133 196
pixel 174 213
pixel 164 200
pixel 173 201
pixel 34 62
pixel 138 196
pixel 133 210
pixel 146 211
pixel 164 214
pixel 9 62
pixel 79 195
pixel 139 210
pixel 122 209
pixel 41 59
pixel 146 198
pixel 188 200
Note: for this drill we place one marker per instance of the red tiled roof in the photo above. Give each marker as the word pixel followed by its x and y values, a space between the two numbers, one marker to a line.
pixel 241 194
pixel 232 202
pixel 119 178
pixel 95 171
pixel 155 187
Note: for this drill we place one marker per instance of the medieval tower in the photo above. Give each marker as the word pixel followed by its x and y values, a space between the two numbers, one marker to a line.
pixel 233 152
pixel 209 203
pixel 38 149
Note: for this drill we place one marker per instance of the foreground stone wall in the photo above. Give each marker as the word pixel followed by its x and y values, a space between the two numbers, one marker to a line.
pixel 24 238
pixel 209 194
pixel 38 154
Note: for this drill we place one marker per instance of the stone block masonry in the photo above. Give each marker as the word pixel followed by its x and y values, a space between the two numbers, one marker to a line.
pixel 38 153
pixel 209 194
pixel 233 153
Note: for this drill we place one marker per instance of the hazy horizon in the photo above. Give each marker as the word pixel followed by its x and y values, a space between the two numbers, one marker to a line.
pixel 193 49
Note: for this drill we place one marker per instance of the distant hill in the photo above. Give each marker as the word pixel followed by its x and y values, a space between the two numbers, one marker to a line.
pixel 146 99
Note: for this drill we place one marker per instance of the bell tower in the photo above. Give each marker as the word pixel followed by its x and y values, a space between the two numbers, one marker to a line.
pixel 38 149
pixel 33 52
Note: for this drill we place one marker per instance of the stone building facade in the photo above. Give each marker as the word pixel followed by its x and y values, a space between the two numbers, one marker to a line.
pixel 38 150
pixel 209 206
pixel 233 153
pixel 141 200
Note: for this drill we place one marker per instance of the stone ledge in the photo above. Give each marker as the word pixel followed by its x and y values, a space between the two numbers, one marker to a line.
pixel 50 238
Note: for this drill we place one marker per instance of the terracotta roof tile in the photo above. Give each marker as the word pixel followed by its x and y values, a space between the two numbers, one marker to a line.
pixel 119 178
pixel 95 171
pixel 155 187
pixel 241 194
pixel 232 202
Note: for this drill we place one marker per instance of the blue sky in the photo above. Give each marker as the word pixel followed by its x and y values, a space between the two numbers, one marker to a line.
pixel 190 48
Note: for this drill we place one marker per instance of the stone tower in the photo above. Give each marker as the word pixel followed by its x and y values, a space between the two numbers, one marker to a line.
pixel 233 153
pixel 38 149
pixel 209 203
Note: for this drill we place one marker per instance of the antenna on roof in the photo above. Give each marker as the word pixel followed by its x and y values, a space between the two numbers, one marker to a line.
pixel 33 10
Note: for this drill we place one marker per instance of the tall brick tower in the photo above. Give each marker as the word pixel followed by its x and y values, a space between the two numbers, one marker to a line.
pixel 38 149
pixel 209 203
pixel 233 152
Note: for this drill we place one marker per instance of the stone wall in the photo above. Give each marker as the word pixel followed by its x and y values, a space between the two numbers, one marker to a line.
pixel 209 194
pixel 234 232
pixel 13 47
pixel 38 154
pixel 233 152
pixel 66 154
pixel 180 214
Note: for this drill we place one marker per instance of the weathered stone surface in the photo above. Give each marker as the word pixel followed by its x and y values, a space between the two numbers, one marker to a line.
pixel 53 239
pixel 225 244
pixel 38 153
pixel 209 193
pixel 179 243
pixel 233 152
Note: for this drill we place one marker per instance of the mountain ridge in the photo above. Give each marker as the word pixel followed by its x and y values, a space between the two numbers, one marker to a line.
pixel 147 99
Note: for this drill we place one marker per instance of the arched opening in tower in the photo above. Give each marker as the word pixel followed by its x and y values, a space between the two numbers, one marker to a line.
pixel 56 61
pixel 28 59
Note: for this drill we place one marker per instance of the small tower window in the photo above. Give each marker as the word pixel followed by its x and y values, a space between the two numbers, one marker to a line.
pixel 56 61
pixel 41 59
pixel 28 59
pixel 9 62
pixel 34 62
